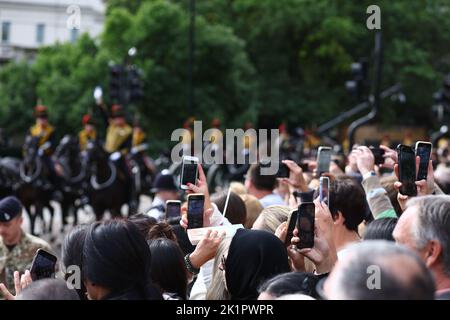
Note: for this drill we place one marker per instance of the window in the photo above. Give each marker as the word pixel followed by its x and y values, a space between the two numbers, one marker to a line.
pixel 73 35
pixel 40 28
pixel 6 31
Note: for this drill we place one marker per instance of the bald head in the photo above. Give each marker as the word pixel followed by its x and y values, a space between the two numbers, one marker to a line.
pixel 379 270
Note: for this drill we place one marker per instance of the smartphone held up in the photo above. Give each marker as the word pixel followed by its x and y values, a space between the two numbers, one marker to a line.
pixel 189 171
pixel 305 225
pixel 423 151
pixel 324 190
pixel 173 209
pixel 195 209
pixel 323 160
pixel 291 224
pixel 407 170
pixel 43 265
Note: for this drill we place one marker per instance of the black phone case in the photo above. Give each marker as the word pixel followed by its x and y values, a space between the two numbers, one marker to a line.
pixel 305 234
pixel 291 227
pixel 408 188
pixel 422 173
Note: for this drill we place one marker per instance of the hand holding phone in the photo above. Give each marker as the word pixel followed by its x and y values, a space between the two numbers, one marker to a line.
pixel 195 210
pixel 423 150
pixel 189 171
pixel 305 225
pixel 407 170
pixel 43 265
pixel 378 154
pixel 283 171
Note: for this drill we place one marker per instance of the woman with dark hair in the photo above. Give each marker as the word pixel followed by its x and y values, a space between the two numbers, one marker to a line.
pixel 72 255
pixel 289 283
pixel 235 210
pixel 117 263
pixel 381 229
pixel 253 257
pixel 143 222
pixel 168 269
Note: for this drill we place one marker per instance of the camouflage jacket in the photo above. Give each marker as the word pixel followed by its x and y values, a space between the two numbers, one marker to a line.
pixel 19 258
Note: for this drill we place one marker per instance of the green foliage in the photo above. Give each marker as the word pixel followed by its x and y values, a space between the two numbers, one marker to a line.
pixel 256 60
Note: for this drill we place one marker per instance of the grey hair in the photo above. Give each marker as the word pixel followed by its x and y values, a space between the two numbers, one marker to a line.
pixel 352 273
pixel 433 223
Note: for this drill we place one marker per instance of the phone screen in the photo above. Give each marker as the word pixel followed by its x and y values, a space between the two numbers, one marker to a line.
pixel 195 211
pixel 305 225
pixel 173 210
pixel 324 192
pixel 189 172
pixel 323 161
pixel 43 265
pixel 283 171
pixel 407 170
pixel 378 155
pixel 291 226
pixel 423 150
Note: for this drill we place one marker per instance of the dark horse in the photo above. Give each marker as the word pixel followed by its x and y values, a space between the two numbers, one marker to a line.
pixel 74 168
pixel 34 189
pixel 9 175
pixel 108 184
pixel 143 172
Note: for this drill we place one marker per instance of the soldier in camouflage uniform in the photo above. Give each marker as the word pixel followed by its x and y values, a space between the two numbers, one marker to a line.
pixel 17 248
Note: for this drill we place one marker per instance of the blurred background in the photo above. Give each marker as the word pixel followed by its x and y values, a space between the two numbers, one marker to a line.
pixel 303 63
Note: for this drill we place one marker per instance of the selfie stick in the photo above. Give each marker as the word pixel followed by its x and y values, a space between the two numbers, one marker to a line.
pixel 226 202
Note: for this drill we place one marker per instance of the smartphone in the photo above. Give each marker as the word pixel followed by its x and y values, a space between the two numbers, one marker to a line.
pixel 423 150
pixel 323 160
pixel 173 209
pixel 378 154
pixel 304 166
pixel 324 190
pixel 43 265
pixel 292 221
pixel 305 225
pixel 407 170
pixel 283 171
pixel 195 208
pixel 189 171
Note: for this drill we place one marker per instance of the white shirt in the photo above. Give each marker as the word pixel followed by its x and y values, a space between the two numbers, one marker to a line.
pixel 272 199
pixel 155 212
pixel 204 277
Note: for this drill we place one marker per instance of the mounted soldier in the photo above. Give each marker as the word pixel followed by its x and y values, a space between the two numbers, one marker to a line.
pixel 88 133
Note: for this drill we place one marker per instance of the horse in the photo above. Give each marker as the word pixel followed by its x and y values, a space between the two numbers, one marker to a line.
pixel 68 156
pixel 143 171
pixel 108 183
pixel 34 189
pixel 9 173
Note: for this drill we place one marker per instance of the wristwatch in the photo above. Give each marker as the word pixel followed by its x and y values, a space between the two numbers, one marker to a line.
pixel 189 265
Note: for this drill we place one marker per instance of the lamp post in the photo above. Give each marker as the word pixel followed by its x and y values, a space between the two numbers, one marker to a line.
pixel 191 98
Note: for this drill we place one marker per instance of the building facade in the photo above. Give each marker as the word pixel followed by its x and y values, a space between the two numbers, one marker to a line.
pixel 26 25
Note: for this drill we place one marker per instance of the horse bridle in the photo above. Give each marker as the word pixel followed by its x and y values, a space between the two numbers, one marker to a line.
pixel 107 183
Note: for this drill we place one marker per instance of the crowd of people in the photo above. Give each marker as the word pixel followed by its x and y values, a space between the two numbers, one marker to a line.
pixel 370 241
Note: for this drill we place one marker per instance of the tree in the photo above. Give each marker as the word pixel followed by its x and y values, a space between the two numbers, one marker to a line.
pixel 223 75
